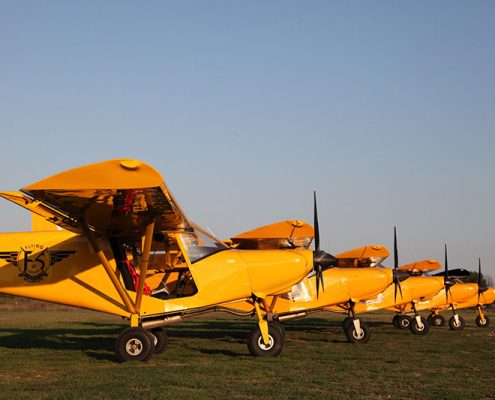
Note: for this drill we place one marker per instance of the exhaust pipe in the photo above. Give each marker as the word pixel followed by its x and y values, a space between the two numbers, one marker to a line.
pixel 292 316
pixel 161 322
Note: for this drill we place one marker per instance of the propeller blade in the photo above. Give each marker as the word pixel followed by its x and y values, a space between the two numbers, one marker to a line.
pixel 445 277
pixel 396 265
pixel 316 225
pixel 479 279
pixel 396 252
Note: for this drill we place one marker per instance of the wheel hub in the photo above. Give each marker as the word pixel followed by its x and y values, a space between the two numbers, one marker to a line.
pixel 134 347
pixel 264 346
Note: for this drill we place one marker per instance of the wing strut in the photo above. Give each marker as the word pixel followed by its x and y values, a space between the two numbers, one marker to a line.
pixel 143 268
pixel 110 272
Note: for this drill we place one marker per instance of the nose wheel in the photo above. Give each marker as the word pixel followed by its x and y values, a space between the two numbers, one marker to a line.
pixel 257 346
pixel 482 322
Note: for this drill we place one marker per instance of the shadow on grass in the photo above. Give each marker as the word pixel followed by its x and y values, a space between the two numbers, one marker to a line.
pixel 97 339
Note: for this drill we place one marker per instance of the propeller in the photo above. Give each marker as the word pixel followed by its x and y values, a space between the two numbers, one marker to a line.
pixel 397 277
pixel 321 259
pixel 447 283
pixel 481 288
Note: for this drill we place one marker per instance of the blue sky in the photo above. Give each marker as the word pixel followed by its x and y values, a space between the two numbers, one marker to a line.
pixel 386 108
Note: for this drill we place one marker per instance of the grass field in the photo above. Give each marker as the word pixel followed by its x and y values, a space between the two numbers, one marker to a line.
pixel 69 355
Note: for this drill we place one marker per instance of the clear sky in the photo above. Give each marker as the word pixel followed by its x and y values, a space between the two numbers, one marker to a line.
pixel 387 108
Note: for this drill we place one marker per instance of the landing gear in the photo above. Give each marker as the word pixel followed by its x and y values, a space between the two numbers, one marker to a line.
pixel 482 322
pixel 403 321
pixel 267 339
pixel 258 348
pixel 159 340
pixel 419 326
pixel 437 320
pixel 357 331
pixel 134 344
pixel 457 323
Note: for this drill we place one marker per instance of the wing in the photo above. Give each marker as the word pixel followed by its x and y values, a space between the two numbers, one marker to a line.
pixel 116 197
pixel 367 256
pixel 280 235
pixel 421 267
pixel 9 256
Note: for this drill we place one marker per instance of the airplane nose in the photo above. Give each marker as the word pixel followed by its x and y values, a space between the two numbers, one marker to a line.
pixel 400 275
pixel 323 259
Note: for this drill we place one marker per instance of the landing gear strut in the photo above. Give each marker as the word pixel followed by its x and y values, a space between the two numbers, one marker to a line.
pixel 419 325
pixel 456 322
pixel 482 320
pixel 356 331
pixel 267 339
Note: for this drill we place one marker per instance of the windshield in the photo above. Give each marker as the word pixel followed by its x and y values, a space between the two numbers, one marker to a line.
pixel 200 244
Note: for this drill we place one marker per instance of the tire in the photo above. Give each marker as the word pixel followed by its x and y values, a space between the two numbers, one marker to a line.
pixel 404 321
pixel 355 337
pixel 346 322
pixel 134 344
pixel 457 327
pixel 413 326
pixel 395 320
pixel 483 323
pixel 437 321
pixel 159 340
pixel 278 325
pixel 256 345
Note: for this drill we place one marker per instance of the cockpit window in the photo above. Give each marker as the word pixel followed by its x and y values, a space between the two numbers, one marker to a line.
pixel 200 244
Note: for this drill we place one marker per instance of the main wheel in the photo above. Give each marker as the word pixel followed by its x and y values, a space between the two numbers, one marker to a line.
pixel 353 336
pixel 404 321
pixel 457 326
pixel 275 344
pixel 278 325
pixel 134 344
pixel 395 320
pixel 159 340
pixel 346 322
pixel 437 320
pixel 483 323
pixel 419 330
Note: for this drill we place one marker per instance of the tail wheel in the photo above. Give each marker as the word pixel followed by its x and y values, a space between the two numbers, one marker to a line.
pixel 437 320
pixel 417 329
pixel 404 321
pixel 457 325
pixel 483 322
pixel 134 344
pixel 353 336
pixel 257 346
pixel 159 340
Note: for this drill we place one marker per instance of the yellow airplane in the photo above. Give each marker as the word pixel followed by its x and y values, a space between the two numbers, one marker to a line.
pixel 352 279
pixel 125 247
pixel 461 296
pixel 412 290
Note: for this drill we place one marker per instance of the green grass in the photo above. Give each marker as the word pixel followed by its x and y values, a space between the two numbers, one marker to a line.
pixel 69 355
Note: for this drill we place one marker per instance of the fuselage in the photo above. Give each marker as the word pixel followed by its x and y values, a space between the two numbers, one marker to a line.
pixel 61 267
